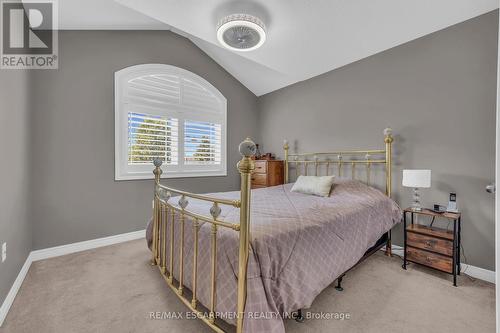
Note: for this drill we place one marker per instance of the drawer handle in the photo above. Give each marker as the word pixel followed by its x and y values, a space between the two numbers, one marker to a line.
pixel 429 243
pixel 428 259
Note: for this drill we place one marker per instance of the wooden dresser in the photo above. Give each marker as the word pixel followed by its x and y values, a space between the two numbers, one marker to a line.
pixel 430 246
pixel 268 173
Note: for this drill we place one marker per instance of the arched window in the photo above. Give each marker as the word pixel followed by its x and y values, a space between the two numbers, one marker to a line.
pixel 168 112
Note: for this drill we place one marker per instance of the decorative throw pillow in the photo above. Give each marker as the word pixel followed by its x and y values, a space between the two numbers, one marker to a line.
pixel 315 185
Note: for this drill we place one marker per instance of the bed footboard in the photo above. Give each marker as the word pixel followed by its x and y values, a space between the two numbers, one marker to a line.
pixel 164 244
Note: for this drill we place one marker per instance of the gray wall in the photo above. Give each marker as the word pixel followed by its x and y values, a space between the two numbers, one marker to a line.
pixel 438 93
pixel 15 227
pixel 73 138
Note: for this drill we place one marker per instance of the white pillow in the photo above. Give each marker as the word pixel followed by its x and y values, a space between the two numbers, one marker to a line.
pixel 315 185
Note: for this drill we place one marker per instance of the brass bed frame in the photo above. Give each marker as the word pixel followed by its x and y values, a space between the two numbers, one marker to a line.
pixel 162 209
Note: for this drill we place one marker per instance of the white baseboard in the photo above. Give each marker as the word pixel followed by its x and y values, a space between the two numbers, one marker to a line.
pixel 57 251
pixel 478 273
pixel 473 271
pixel 7 303
pixel 60 251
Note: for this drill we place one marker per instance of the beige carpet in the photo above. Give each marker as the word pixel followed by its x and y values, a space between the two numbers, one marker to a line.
pixel 114 289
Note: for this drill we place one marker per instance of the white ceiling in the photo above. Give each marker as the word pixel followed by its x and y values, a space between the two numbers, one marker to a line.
pixel 103 15
pixel 305 38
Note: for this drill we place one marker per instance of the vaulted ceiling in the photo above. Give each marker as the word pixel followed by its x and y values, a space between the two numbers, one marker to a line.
pixel 304 38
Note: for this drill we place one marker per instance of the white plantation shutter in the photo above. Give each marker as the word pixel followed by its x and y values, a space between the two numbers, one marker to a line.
pixel 152 136
pixel 167 112
pixel 202 143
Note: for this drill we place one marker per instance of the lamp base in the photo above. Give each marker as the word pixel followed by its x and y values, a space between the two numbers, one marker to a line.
pixel 416 201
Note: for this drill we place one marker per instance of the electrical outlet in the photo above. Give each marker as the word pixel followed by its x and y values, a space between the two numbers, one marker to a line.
pixel 4 251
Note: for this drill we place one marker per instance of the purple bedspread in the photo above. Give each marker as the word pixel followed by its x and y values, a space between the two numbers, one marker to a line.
pixel 299 245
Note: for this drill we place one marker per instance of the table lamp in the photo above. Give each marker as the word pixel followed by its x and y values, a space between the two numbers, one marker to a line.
pixel 416 179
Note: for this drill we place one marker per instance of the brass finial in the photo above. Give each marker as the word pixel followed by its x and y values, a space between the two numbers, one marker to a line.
pixel 215 211
pixel 183 202
pixel 157 171
pixel 247 149
pixel 157 162
pixel 388 135
pixel 285 144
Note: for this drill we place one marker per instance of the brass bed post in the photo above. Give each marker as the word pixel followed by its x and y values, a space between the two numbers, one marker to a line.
pixel 213 272
pixel 196 229
pixel 388 139
pixel 153 240
pixel 154 246
pixel 245 166
pixel 183 205
pixel 285 148
pixel 163 223
pixel 171 269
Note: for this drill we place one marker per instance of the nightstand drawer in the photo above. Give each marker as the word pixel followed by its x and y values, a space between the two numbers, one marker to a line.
pixel 259 179
pixel 430 259
pixel 267 173
pixel 429 243
pixel 260 167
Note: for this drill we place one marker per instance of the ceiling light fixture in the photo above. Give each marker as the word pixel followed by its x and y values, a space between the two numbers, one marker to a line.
pixel 241 32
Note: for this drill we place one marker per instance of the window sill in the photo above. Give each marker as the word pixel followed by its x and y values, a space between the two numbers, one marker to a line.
pixel 166 175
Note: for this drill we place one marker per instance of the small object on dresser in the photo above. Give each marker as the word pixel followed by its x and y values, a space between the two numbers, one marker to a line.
pixel 437 248
pixel 267 157
pixel 416 179
pixel 452 204
pixel 257 152
pixel 439 208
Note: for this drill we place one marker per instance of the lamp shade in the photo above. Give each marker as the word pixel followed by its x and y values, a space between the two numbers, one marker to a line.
pixel 417 178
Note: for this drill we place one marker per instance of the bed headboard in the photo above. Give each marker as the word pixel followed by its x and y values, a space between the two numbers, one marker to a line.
pixel 332 161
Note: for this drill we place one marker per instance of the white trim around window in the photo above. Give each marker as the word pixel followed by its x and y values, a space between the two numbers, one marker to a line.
pixel 168 112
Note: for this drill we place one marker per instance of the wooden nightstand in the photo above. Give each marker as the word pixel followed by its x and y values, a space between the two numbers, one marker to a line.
pixel 430 246
pixel 267 173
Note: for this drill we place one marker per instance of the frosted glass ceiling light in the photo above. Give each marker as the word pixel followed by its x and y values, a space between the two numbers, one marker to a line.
pixel 241 32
